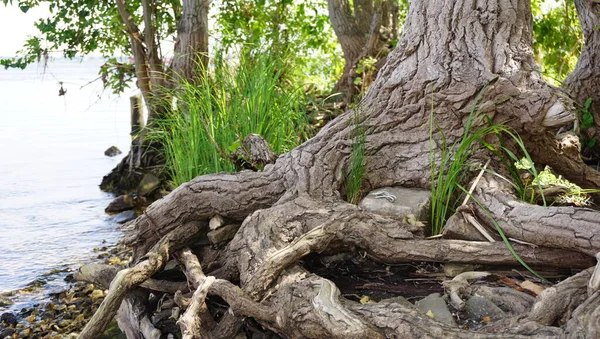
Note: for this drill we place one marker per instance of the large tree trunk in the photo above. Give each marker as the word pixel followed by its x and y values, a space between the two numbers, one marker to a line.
pixel 449 53
pixel 365 29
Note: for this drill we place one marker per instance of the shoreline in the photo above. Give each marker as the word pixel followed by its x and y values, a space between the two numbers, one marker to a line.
pixel 64 313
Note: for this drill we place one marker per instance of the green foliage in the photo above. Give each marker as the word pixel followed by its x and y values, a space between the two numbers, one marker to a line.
pixel 558 39
pixel 116 75
pixel 80 27
pixel 587 119
pixel 451 171
pixel 211 117
pixel 357 158
pixel 365 69
pixel 300 28
pixel 575 195
pixel 448 178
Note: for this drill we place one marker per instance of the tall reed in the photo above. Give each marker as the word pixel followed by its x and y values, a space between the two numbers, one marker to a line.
pixel 209 118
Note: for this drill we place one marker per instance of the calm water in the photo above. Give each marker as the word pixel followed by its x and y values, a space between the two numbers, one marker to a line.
pixel 51 209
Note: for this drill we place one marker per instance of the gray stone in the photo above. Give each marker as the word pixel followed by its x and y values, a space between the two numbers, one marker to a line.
pixel 216 222
pixel 112 151
pixel 398 201
pixel 124 216
pixel 7 332
pixel 435 304
pixel 222 234
pixel 120 204
pixel 8 318
pixel 457 228
pixel 480 309
pixel 148 184
pixel 452 269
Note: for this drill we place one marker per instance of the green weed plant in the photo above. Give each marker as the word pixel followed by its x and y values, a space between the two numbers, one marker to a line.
pixel 357 158
pixel 209 118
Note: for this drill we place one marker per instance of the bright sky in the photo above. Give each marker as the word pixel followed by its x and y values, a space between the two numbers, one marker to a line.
pixel 15 26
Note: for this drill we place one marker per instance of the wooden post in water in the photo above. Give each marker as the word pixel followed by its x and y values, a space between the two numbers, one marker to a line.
pixel 137 116
pixel 137 123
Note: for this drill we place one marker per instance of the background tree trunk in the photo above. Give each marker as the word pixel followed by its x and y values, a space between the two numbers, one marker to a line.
pixel 584 81
pixel 365 28
pixel 191 47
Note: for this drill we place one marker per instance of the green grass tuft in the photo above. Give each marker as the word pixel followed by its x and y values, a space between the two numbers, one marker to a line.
pixel 357 158
pixel 209 118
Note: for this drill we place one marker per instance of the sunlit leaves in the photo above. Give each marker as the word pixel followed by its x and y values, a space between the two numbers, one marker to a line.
pixel 558 39
pixel 298 28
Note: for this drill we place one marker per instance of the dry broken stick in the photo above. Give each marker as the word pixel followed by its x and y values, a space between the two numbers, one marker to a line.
pixel 191 321
pixel 103 274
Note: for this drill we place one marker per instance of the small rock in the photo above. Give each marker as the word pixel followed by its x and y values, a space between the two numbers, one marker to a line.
pixel 216 222
pixel 124 217
pixel 112 151
pixel 4 301
pixel 398 201
pixel 148 184
pixel 452 270
pixel 457 228
pixel 222 234
pixel 97 295
pixel 7 332
pixel 8 318
pixel 69 278
pixel 435 306
pixel 479 309
pixel 120 204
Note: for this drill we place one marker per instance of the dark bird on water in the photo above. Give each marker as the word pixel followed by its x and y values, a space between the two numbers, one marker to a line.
pixel 61 91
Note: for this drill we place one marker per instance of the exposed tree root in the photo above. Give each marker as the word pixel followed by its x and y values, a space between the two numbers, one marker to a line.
pixel 560 300
pixel 570 228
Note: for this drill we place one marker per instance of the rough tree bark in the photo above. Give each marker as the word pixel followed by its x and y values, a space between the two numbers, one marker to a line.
pixel 365 28
pixel 191 47
pixel 449 53
pixel 584 81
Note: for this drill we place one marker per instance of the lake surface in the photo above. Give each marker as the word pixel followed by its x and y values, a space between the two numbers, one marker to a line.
pixel 51 209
